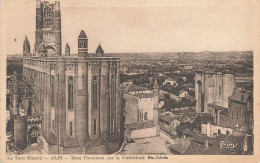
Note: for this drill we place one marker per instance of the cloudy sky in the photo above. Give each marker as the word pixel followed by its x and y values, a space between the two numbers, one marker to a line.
pixel 139 26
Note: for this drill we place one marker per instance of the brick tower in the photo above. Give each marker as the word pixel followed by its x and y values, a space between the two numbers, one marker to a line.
pixel 48 27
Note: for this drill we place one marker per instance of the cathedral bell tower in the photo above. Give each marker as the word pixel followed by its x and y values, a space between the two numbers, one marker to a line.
pixel 48 27
pixel 82 45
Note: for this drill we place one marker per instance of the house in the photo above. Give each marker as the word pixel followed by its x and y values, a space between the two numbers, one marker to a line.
pixel 240 109
pixel 141 110
pixel 173 96
pixel 239 112
pixel 183 93
pixel 215 130
pixel 170 81
pixel 169 122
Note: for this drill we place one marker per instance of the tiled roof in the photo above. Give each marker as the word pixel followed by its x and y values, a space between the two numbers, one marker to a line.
pixel 188 97
pixel 240 96
pixel 180 145
pixel 167 118
pixel 199 138
pixel 188 132
pixel 182 127
pixel 223 109
pixel 237 141
pixel 141 125
pixel 195 149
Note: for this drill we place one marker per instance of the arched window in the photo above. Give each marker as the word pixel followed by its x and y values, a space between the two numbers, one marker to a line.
pixel 52 91
pixel 70 129
pixel 70 92
pixel 145 116
pixel 94 92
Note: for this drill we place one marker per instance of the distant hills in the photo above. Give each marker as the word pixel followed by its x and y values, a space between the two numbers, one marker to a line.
pixel 172 55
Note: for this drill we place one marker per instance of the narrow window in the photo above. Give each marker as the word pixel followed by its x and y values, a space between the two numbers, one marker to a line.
pixel 219 131
pixel 237 115
pixel 113 125
pixel 94 93
pixel 52 91
pixel 232 115
pixel 52 121
pixel 220 90
pixel 95 127
pixel 245 119
pixel 227 132
pixel 145 116
pixel 113 93
pixel 71 129
pixel 70 92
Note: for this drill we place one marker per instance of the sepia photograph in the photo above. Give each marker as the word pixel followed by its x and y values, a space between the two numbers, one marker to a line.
pixel 144 81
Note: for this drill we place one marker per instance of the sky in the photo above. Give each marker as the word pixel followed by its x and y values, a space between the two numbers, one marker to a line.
pixel 138 27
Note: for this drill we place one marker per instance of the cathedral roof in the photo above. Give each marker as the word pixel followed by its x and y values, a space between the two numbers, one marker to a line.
pixel 82 34
pixel 26 41
pixel 99 49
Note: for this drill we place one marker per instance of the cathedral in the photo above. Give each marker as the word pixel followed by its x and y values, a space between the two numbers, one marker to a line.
pixel 78 96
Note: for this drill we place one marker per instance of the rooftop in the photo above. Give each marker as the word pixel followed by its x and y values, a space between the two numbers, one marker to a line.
pixel 216 107
pixel 240 96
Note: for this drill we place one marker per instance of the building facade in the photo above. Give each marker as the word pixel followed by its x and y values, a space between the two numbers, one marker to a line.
pixel 78 96
pixel 142 117
pixel 213 88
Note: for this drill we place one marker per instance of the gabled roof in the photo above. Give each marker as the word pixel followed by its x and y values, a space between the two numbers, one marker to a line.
pixel 82 34
pixel 240 96
pixel 181 145
pixel 99 49
pixel 195 149
pixel 216 107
